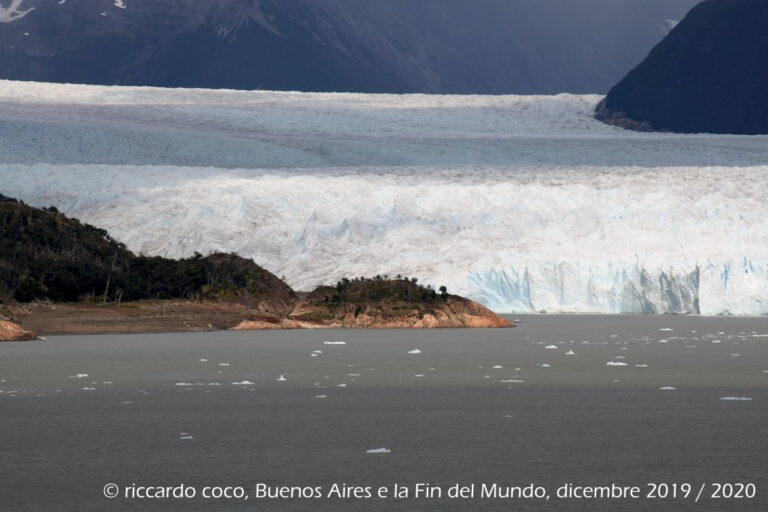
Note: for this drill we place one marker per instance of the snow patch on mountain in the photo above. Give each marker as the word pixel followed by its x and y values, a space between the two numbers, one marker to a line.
pixel 13 12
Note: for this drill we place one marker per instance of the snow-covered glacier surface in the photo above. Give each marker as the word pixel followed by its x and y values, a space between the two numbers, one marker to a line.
pixel 524 203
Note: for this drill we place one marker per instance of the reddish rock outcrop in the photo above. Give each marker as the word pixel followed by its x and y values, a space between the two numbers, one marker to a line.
pixel 11 331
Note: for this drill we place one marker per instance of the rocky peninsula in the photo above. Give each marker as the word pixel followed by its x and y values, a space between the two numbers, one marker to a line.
pixel 60 276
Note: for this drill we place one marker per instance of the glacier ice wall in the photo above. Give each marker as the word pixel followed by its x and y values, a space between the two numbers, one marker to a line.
pixel 525 203
pixel 672 240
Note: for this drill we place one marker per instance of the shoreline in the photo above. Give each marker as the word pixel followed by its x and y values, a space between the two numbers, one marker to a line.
pixel 181 316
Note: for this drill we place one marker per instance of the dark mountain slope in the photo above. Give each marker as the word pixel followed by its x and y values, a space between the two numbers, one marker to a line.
pixel 446 46
pixel 710 74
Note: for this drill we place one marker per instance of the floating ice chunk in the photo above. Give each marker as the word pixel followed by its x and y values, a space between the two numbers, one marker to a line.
pixel 414 351
pixel 321 396
pixel 667 388
pixel 615 363
pixel 223 364
pixel 545 365
pixel 737 398
pixel 245 383
pixel 203 360
pixel 81 376
pixel 641 366
pixel 183 384
pixel 214 383
pixel 89 389
pixel 497 367
pixel 334 343
pixel 281 378
pixel 570 353
pixel 313 355
pixel 317 351
pixel 511 381
pixel 551 347
pixel 666 329
pixel 353 375
pixel 186 437
pixel 716 341
pixel 419 375
pixel 341 385
pixel 378 450
pixel 662 341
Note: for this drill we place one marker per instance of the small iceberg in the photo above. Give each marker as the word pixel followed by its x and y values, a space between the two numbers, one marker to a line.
pixel 281 378
pixel 570 353
pixel 737 398
pixel 334 343
pixel 668 388
pixel 244 383
pixel 378 450
pixel 615 363
pixel 551 347
pixel 414 351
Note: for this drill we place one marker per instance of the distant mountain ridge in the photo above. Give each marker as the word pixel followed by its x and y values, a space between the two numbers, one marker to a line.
pixel 710 74
pixel 397 46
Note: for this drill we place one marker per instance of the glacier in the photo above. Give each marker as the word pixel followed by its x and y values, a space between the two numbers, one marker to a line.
pixel 524 203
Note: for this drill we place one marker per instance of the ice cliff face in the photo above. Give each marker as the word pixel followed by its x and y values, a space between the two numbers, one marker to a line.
pixel 523 203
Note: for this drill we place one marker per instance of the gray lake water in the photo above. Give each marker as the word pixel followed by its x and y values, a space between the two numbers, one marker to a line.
pixel 557 400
